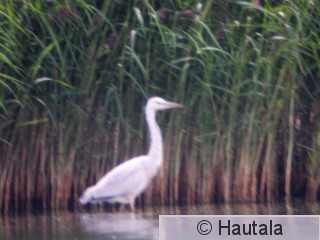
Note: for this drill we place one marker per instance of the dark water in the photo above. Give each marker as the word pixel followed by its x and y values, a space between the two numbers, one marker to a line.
pixel 141 225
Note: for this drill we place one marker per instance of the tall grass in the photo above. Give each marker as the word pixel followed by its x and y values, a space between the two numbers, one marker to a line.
pixel 75 76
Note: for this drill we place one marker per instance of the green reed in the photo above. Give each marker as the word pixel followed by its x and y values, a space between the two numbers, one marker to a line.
pixel 74 78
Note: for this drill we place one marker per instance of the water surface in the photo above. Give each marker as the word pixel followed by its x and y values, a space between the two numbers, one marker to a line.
pixel 141 225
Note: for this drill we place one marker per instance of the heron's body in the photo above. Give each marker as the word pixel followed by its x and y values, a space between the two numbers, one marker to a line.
pixel 126 181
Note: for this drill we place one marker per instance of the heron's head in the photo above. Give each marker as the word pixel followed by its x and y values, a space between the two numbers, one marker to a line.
pixel 158 104
pixel 87 196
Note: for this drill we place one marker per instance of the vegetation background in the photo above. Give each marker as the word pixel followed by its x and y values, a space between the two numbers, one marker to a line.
pixel 75 75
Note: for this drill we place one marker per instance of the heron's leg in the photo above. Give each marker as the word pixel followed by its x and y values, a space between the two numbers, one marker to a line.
pixel 132 207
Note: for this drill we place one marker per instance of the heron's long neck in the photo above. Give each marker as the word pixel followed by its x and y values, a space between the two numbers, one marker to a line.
pixel 155 153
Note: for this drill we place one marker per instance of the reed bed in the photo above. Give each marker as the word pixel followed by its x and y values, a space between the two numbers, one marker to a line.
pixel 75 75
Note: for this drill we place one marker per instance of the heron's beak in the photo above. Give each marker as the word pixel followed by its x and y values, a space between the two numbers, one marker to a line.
pixel 174 105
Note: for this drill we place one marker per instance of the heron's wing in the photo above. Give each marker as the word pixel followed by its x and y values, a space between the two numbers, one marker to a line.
pixel 123 179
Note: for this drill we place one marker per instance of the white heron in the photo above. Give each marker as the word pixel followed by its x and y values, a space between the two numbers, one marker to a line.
pixel 126 181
